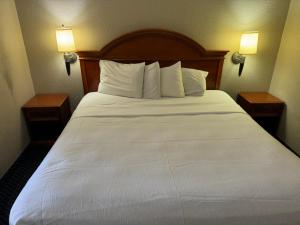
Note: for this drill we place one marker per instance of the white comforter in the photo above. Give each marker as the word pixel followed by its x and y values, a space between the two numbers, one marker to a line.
pixel 195 160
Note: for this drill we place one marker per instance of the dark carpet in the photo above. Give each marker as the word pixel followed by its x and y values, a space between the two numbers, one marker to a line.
pixel 16 177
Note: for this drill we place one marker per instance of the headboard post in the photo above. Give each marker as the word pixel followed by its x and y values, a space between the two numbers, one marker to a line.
pixel 152 45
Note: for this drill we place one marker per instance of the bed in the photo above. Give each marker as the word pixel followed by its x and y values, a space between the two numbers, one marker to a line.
pixel 192 160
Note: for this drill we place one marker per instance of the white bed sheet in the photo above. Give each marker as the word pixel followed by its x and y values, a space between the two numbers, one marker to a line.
pixel 193 160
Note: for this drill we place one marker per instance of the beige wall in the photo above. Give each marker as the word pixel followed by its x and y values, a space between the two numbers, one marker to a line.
pixel 286 79
pixel 15 85
pixel 216 24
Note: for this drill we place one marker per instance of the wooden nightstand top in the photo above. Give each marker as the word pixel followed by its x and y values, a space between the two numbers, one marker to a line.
pixel 260 97
pixel 46 100
pixel 260 104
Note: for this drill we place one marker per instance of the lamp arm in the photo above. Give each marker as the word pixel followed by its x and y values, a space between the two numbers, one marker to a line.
pixel 69 58
pixel 237 58
pixel 68 67
pixel 241 68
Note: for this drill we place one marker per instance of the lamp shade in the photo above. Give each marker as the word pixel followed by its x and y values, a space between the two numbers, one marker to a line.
pixel 65 40
pixel 248 43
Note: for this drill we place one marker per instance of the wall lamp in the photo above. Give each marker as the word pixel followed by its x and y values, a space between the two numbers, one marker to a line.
pixel 65 44
pixel 248 46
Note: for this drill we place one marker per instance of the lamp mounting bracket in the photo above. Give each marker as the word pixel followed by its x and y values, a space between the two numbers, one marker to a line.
pixel 237 58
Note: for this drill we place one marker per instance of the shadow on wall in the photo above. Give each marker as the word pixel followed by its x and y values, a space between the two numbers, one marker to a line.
pixel 3 67
pixel 282 125
pixel 12 125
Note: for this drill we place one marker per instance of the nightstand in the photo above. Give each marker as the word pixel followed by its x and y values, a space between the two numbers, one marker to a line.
pixel 263 107
pixel 46 116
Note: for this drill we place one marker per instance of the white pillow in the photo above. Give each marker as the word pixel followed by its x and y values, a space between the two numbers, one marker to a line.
pixel 121 79
pixel 194 81
pixel 152 81
pixel 171 81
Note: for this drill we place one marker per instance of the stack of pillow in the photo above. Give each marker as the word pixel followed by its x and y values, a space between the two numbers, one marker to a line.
pixel 150 81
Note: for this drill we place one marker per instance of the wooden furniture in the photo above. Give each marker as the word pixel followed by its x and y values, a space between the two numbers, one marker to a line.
pixel 46 116
pixel 263 107
pixel 148 46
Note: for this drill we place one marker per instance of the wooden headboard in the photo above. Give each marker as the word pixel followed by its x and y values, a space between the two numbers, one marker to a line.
pixel 152 45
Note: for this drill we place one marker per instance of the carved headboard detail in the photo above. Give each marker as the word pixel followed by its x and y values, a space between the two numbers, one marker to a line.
pixel 152 45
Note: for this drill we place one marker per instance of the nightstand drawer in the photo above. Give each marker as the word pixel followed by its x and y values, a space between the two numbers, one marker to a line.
pixel 45 130
pixel 266 110
pixel 263 107
pixel 46 116
pixel 50 114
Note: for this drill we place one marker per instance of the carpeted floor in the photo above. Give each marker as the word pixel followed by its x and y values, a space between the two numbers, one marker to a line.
pixel 16 177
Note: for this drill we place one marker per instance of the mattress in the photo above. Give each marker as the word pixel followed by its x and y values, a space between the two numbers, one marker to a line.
pixel 170 161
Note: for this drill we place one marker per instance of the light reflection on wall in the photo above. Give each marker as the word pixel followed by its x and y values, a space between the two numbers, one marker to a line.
pixel 65 11
pixel 248 12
